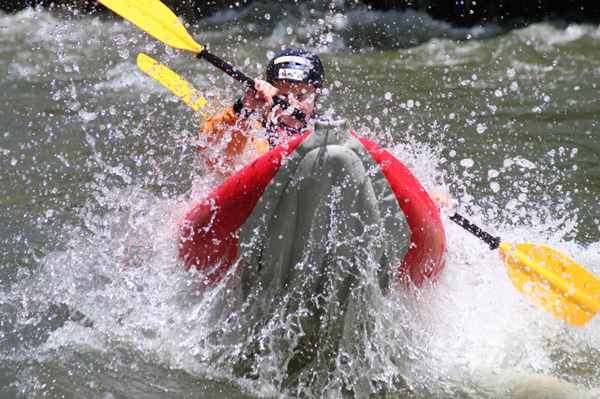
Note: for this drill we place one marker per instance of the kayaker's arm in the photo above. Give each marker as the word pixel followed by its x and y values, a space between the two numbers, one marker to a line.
pixel 258 98
pixel 225 136
pixel 440 199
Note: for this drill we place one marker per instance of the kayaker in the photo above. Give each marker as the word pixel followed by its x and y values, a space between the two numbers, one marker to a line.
pixel 297 76
pixel 294 74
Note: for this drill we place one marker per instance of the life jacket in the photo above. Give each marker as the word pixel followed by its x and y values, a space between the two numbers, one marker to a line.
pixel 225 137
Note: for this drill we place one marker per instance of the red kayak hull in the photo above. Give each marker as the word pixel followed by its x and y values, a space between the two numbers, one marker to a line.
pixel 210 232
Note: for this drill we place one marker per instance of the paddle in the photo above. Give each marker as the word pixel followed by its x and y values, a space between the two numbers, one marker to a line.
pixel 551 279
pixel 158 20
pixel 172 81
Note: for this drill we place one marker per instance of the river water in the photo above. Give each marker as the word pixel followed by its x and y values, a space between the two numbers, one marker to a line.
pixel 98 166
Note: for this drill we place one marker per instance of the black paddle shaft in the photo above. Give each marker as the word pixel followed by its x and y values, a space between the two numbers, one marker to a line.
pixel 493 242
pixel 249 82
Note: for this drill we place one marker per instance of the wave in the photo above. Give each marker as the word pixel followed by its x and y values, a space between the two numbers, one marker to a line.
pixel 102 229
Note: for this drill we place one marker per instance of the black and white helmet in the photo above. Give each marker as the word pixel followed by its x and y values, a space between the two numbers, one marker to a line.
pixel 296 65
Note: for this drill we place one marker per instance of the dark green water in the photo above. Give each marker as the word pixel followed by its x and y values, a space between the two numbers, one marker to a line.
pixel 98 166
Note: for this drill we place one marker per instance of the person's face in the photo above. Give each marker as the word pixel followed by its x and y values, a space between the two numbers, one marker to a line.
pixel 301 96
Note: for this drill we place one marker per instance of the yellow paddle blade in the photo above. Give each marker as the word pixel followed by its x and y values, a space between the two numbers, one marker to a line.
pixel 171 81
pixel 553 281
pixel 157 20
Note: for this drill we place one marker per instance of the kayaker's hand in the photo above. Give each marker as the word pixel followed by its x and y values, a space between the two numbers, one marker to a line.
pixel 259 97
pixel 440 199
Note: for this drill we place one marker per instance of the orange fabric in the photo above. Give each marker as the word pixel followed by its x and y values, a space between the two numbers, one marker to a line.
pixel 228 136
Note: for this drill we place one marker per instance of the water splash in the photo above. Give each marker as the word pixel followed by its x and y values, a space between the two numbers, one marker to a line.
pixel 93 302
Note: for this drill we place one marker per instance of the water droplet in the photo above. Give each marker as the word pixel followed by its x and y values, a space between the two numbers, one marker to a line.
pixel 495 187
pixel 90 140
pixel 512 204
pixel 524 163
pixel 87 115
pixel 388 96
pixel 74 105
pixel 574 152
pixel 124 53
pixel 13 161
pixel 481 128
pixel 268 17
pixel 467 162
pixel 492 173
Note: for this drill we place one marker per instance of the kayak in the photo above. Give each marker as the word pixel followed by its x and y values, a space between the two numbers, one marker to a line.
pixel 327 197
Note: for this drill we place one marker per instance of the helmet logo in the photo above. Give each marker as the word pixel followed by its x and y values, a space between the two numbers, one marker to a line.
pixel 292 74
